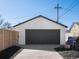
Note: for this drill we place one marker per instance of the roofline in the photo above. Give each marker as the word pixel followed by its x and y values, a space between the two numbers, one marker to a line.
pixel 72 25
pixel 37 17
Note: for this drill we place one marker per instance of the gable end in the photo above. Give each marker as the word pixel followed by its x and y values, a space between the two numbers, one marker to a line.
pixel 42 17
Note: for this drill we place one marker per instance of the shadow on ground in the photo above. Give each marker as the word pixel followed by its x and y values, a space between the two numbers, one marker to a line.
pixel 36 47
pixel 40 47
pixel 70 54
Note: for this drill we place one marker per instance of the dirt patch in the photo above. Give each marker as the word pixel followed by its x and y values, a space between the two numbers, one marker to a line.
pixel 7 53
pixel 69 54
pixel 62 49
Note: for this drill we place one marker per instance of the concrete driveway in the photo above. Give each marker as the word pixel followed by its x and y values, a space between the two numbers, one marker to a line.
pixel 38 52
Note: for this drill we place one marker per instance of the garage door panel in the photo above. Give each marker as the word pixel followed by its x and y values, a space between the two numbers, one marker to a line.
pixel 42 36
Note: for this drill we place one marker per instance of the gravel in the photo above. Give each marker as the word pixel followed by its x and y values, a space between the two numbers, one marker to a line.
pixel 69 54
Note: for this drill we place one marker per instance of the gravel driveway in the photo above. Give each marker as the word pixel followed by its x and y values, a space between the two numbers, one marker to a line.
pixel 38 52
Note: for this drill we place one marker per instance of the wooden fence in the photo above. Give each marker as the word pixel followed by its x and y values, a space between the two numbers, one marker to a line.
pixel 8 38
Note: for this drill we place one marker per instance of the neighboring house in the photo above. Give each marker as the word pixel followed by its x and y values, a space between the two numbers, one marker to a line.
pixel 41 30
pixel 73 31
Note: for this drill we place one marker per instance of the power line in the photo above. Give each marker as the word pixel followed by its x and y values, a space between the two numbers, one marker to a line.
pixel 74 3
pixel 58 8
pixel 70 7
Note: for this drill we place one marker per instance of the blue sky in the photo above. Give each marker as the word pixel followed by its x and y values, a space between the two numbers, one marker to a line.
pixel 15 11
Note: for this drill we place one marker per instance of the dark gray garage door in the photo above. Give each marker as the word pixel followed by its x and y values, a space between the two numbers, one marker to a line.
pixel 42 36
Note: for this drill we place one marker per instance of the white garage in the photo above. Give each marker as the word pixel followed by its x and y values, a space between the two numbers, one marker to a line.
pixel 41 30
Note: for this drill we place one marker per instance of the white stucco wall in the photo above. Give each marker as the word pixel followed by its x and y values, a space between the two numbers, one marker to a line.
pixel 39 23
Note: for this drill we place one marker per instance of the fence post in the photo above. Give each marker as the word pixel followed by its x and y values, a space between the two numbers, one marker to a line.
pixel 10 38
pixel 3 38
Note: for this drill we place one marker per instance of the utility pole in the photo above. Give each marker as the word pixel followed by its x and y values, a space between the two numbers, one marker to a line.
pixel 58 8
